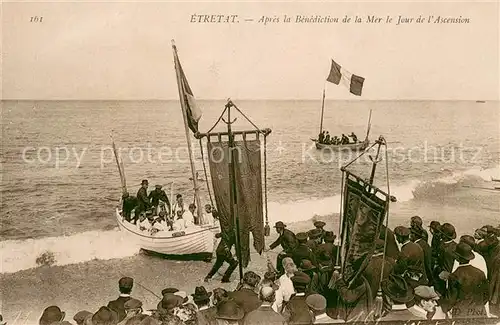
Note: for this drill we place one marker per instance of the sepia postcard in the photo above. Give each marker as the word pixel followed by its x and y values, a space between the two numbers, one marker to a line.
pixel 250 162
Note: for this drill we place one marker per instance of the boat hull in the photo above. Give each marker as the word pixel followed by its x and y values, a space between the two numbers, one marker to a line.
pixel 360 146
pixel 196 243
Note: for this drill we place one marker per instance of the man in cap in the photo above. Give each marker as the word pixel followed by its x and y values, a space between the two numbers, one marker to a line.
pixel 426 304
pixel 296 310
pixel 245 296
pixel 411 257
pixel 416 224
pixel 156 196
pixel 314 239
pixel 142 197
pixel 132 307
pixel 264 314
pixel 446 255
pixel 317 306
pixel 417 236
pixel 50 315
pixel 373 271
pixel 125 286
pixel 287 241
pixel 320 225
pixel 467 291
pixel 302 251
pixel 397 293
pixel 435 241
pixel 201 298
pixel 223 253
pixel 328 246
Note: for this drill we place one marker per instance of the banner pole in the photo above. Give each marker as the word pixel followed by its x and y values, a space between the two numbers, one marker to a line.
pixel 233 198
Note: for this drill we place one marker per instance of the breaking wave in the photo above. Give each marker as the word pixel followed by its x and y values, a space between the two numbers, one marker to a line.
pixel 19 255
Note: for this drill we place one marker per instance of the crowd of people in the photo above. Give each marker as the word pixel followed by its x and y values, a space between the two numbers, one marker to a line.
pixel 153 212
pixel 325 138
pixel 421 280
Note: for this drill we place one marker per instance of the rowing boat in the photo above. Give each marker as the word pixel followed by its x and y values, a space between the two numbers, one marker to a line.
pixel 358 146
pixel 197 241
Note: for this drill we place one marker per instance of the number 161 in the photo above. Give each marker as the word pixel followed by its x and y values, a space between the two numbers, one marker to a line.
pixel 36 19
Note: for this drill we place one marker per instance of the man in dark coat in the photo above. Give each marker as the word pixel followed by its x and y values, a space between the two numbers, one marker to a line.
pixel 245 296
pixel 417 236
pixel 156 196
pixel 142 197
pixel 320 225
pixel 314 238
pixel 328 246
pixel 416 225
pixel 302 251
pixel 223 254
pixel 296 310
pixel 129 203
pixel 446 255
pixel 287 241
pixel 392 249
pixel 397 293
pixel 205 315
pixel 125 286
pixel 467 291
pixel 265 314
pixel 373 271
pixel 435 242
pixel 411 256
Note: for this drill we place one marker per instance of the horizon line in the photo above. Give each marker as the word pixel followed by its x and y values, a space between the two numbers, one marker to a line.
pixel 242 99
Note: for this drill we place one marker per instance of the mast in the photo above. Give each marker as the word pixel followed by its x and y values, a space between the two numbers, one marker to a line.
pixel 186 128
pixel 369 125
pixel 233 197
pixel 322 112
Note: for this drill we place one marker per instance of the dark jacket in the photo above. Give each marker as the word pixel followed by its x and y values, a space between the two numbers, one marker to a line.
pixel 312 244
pixel 287 241
pixel 392 249
pixel 156 195
pixel 207 316
pixel 303 252
pixel 356 302
pixel 264 315
pixel 142 197
pixel 447 256
pixel 118 306
pixel 329 248
pixel 467 293
pixel 427 258
pixel 296 311
pixel 246 299
pixel 373 271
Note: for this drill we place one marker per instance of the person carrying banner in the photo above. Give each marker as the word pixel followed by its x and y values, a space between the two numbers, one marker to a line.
pixel 288 242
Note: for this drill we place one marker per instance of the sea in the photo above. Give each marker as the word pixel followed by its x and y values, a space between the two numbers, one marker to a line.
pixel 60 182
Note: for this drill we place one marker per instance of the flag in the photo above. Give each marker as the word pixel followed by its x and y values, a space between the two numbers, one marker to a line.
pixel 362 219
pixel 193 112
pixel 352 81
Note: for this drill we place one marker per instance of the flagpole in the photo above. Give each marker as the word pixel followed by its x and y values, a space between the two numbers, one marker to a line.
pixel 322 110
pixel 186 128
pixel 369 125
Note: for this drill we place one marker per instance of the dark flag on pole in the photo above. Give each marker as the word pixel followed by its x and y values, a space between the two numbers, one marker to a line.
pixel 193 112
pixel 351 81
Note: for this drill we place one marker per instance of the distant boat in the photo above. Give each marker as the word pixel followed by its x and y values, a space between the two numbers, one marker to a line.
pixel 480 101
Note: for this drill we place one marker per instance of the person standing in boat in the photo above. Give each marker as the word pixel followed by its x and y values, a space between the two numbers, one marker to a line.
pixel 327 138
pixel 354 137
pixel 142 197
pixel 321 137
pixel 156 196
pixel 129 203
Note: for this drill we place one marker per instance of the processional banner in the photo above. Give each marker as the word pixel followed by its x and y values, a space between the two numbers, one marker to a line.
pixel 363 216
pixel 248 182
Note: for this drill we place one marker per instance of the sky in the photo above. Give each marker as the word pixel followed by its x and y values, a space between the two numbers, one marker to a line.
pixel 122 51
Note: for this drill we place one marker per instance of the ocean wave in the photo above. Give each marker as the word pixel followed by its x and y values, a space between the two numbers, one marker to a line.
pixel 17 255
